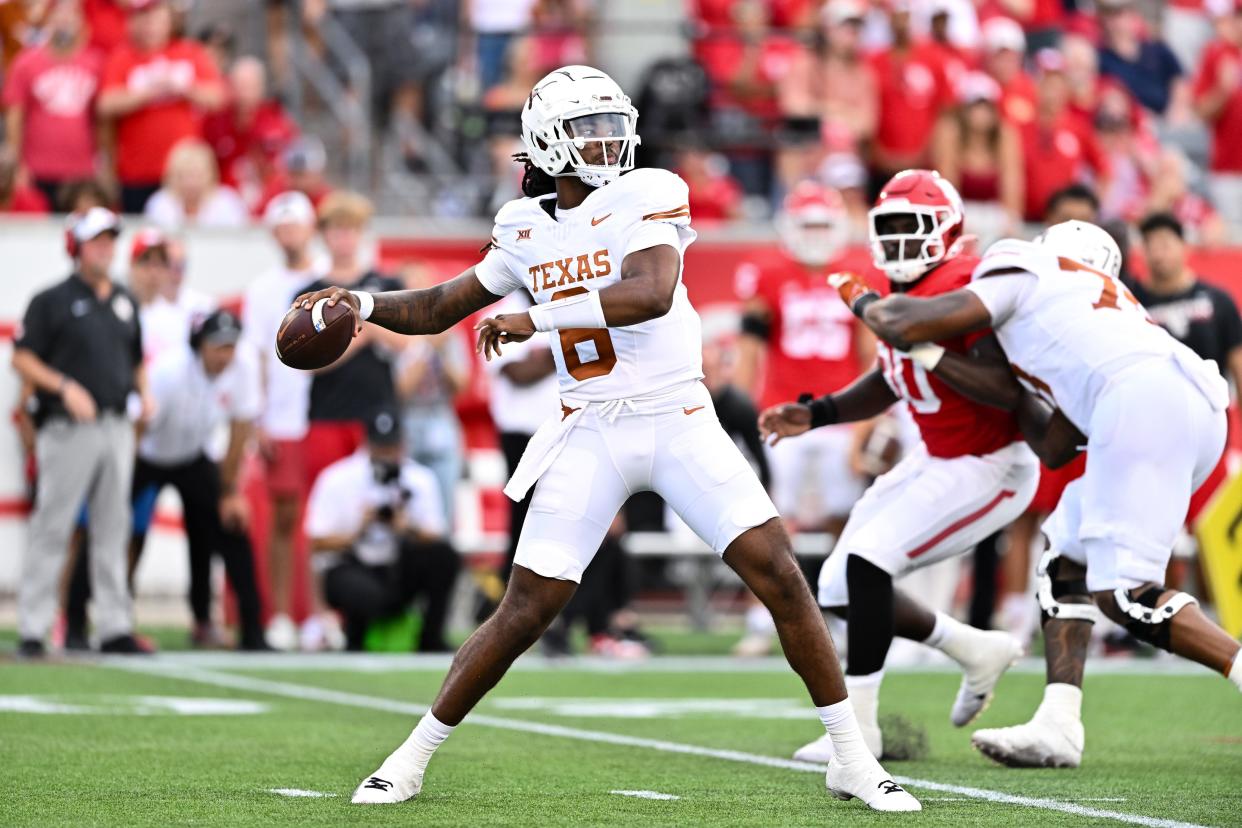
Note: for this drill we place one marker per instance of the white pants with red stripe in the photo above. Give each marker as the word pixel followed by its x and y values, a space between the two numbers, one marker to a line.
pixel 929 508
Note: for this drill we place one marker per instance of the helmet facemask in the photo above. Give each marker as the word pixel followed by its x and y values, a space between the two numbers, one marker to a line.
pixel 907 240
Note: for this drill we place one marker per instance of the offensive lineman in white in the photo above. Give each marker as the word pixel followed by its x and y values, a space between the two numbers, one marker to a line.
pixel 1153 413
pixel 601 255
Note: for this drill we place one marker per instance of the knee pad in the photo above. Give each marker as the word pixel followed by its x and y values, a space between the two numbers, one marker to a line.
pixel 1148 622
pixel 1052 591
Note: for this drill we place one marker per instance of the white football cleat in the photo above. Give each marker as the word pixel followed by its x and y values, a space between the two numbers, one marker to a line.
pixel 996 653
pixel 865 779
pixel 1036 744
pixel 388 785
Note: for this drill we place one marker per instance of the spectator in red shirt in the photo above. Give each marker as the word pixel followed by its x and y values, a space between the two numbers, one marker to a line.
pixel 1057 148
pixel 250 134
pixel 834 82
pixel 157 89
pixel 1004 46
pixel 913 91
pixel 49 97
pixel 1218 97
pixel 956 60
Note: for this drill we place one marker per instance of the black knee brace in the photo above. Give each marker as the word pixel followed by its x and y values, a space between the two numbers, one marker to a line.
pixel 1062 598
pixel 1147 621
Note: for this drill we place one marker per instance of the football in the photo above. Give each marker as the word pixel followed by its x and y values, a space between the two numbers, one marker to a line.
pixel 315 338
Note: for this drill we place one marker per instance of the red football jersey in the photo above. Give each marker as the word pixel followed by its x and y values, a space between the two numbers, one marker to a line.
pixel 813 335
pixel 951 425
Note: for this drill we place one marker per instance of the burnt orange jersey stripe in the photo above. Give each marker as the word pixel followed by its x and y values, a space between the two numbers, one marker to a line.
pixel 674 213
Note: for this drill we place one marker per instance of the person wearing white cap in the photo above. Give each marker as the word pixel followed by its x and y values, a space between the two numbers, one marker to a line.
pixel 283 422
pixel 80 347
pixel 1004 48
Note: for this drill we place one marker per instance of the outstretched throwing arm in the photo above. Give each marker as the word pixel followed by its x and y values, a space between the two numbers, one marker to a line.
pixel 426 311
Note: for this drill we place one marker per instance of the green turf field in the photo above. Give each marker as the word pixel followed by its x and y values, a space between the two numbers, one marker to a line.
pixel 544 748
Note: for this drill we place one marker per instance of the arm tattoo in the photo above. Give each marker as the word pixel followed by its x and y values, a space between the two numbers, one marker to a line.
pixel 434 309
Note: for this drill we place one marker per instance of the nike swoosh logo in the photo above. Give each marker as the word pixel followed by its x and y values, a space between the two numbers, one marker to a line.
pixel 689 411
pixel 599 220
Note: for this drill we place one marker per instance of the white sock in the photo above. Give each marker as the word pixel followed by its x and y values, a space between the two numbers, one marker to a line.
pixel 865 697
pixel 427 736
pixel 842 725
pixel 1235 670
pixel 759 620
pixel 1061 701
pixel 951 637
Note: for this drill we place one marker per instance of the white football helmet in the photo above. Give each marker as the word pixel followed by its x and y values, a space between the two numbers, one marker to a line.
pixel 571 108
pixel 1085 243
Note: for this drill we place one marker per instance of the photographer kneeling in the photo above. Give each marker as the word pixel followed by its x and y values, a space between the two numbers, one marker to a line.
pixel 375 521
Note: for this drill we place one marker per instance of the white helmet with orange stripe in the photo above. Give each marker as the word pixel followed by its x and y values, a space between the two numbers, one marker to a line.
pixel 577 121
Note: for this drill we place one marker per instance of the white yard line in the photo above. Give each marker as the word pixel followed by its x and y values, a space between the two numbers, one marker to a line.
pixel 534 663
pixel 318 694
pixel 299 793
pixel 646 795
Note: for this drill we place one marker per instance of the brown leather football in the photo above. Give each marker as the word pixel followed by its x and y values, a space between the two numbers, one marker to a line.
pixel 316 337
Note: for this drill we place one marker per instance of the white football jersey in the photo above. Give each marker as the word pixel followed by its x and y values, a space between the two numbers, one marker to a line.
pixel 581 250
pixel 1069 330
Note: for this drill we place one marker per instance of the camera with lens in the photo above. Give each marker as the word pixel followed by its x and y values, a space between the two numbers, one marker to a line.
pixel 397 496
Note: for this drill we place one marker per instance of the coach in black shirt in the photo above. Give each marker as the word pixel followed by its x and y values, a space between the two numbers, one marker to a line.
pixel 81 349
pixel 1199 315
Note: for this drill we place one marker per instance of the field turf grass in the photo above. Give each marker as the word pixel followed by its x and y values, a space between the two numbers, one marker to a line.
pixel 1159 747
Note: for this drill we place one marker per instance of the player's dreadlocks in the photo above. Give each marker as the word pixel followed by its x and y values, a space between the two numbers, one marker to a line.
pixel 535 182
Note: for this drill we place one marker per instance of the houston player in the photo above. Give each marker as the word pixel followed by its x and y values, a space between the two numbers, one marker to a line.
pixel 971 476
pixel 795 327
pixel 601 254
pixel 1153 414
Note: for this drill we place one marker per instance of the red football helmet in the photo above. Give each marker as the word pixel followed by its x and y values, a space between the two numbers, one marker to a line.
pixel 812 224
pixel 916 224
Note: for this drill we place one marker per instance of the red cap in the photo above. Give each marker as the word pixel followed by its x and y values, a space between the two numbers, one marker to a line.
pixel 146 239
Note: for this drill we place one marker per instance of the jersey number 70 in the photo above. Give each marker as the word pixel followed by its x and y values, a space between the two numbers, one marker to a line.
pixel 908 380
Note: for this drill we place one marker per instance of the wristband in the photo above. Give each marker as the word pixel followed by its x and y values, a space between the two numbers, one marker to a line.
pixel 581 311
pixel 366 304
pixel 860 306
pixel 823 410
pixel 926 355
